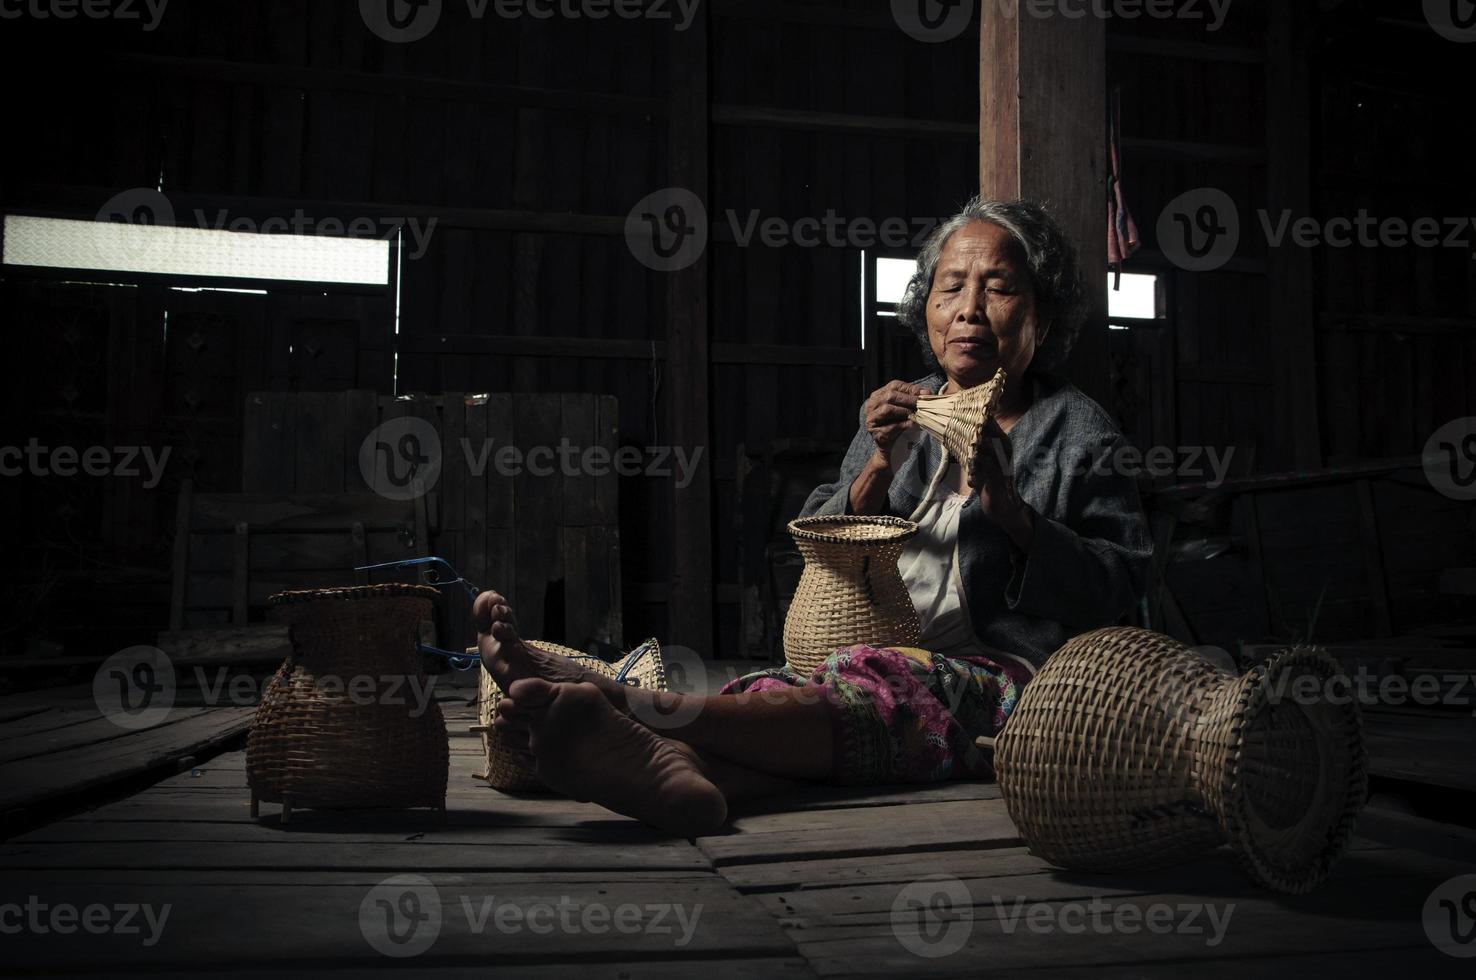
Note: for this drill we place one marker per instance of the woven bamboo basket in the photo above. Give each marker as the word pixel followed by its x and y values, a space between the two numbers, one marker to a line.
pixel 851 591
pixel 1127 751
pixel 642 667
pixel 338 726
pixel 957 420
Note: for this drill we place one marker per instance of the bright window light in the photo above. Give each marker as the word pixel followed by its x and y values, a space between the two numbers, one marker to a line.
pixel 892 277
pixel 1137 299
pixel 55 243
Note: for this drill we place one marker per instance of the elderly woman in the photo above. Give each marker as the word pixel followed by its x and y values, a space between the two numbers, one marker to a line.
pixel 1048 543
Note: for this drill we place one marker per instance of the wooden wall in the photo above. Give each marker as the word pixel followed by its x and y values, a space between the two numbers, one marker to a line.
pixel 1301 358
pixel 528 142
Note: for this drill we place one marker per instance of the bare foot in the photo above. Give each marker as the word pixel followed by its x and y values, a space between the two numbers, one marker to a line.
pixel 508 659
pixel 587 750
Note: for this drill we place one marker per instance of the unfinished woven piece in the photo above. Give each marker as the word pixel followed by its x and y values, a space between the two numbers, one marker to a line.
pixel 1127 751
pixel 642 667
pixel 957 420
pixel 341 724
pixel 851 591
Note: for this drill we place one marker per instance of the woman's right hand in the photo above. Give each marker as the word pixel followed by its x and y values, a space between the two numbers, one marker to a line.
pixel 889 414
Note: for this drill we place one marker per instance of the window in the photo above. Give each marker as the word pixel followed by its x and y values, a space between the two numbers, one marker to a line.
pixel 1134 303
pixel 197 253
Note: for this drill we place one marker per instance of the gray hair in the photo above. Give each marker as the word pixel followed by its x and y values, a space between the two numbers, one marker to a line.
pixel 1060 297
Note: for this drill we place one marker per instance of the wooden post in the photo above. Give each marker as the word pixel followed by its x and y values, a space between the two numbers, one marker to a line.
pixel 1292 314
pixel 1043 137
pixel 690 596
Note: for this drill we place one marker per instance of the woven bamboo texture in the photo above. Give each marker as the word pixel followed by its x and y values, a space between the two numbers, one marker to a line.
pixel 505 769
pixel 957 420
pixel 851 591
pixel 339 725
pixel 1127 751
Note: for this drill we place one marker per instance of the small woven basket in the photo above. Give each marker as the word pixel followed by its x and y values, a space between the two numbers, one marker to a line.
pixel 339 725
pixel 1127 751
pixel 851 591
pixel 958 420
pixel 643 667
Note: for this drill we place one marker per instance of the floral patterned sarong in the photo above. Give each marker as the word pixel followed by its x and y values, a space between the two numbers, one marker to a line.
pixel 905 716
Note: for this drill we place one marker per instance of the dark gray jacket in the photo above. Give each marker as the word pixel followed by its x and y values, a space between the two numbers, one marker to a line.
pixel 1091 550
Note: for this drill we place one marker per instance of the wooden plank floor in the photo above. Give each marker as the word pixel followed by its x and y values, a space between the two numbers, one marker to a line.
pixel 829 882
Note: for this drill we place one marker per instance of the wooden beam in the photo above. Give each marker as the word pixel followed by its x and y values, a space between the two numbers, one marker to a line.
pixel 1043 137
pixel 838 122
pixel 617 348
pixel 1153 47
pixel 172 69
pixel 1292 312
pixel 690 616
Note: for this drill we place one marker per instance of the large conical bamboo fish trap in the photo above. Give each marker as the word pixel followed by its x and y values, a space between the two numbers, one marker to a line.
pixel 1129 751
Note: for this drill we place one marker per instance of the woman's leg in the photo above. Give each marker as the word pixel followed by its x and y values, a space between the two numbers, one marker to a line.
pixel 785 733
pixel 586 749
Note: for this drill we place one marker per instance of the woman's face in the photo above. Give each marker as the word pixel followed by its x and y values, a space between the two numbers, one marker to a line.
pixel 981 311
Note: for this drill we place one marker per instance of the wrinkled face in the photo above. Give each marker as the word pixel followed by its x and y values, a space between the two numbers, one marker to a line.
pixel 982 311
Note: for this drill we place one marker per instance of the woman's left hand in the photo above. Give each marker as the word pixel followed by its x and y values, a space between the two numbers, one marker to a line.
pixel 992 476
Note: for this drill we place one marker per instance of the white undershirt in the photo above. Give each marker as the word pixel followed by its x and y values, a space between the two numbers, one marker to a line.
pixel 929 567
